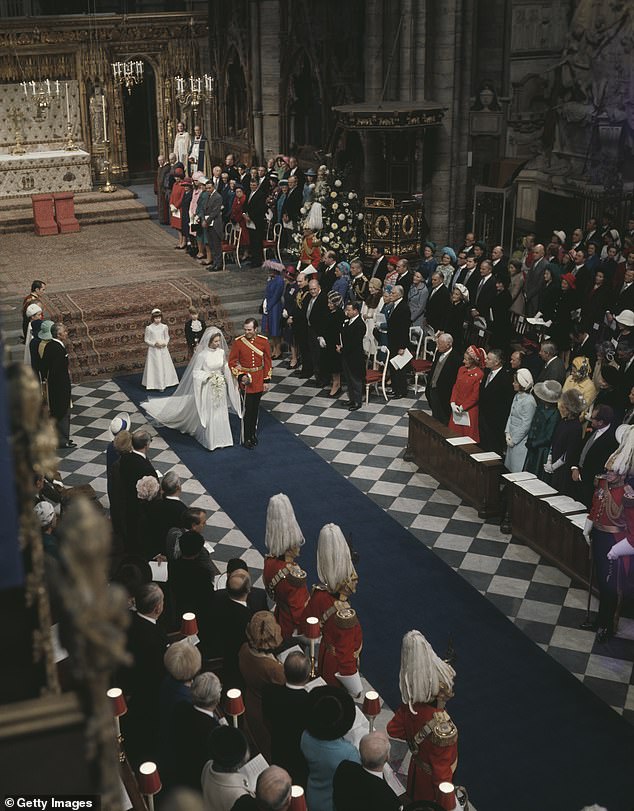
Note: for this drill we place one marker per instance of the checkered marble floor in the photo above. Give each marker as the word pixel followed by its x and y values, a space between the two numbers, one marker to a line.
pixel 366 446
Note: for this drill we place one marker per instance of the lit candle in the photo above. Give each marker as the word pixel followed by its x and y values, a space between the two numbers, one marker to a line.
pixel 57 87
pixel 67 106
pixel 48 87
pixel 191 83
pixel 24 86
pixel 103 110
pixel 199 83
pixel 33 87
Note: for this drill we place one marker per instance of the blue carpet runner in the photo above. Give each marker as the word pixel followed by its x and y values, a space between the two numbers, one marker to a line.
pixel 531 735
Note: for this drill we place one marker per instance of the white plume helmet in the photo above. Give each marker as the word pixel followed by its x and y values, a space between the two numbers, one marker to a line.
pixel 282 530
pixel 423 673
pixel 334 563
pixel 622 460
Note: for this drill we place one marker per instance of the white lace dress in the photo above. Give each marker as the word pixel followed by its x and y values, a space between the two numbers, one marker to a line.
pixel 159 373
pixel 205 413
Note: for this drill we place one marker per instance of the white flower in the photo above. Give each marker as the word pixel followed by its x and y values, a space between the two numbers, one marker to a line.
pixel 333 194
pixel 334 226
pixel 345 228
pixel 359 216
pixel 342 216
pixel 325 239
pixel 338 183
pixel 302 210
pixel 335 206
pixel 353 239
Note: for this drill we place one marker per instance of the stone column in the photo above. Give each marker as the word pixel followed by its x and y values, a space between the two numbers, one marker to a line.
pixel 373 52
pixel 448 85
pixel 256 78
pixel 270 65
pixel 406 52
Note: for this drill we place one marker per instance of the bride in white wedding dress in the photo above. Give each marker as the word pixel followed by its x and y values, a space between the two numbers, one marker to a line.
pixel 200 404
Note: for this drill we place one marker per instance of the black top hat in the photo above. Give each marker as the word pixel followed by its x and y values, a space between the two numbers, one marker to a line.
pixel 330 712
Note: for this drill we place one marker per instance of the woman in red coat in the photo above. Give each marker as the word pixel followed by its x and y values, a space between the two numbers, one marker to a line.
pixel 341 636
pixel 176 200
pixel 426 684
pixel 284 581
pixel 238 218
pixel 465 394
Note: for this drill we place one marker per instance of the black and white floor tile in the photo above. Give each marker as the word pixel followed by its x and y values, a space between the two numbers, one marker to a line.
pixel 367 446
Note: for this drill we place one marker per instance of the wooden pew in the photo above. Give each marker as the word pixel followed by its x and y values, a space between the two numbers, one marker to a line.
pixel 477 483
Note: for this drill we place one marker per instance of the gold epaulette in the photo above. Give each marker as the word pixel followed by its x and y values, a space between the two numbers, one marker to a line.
pixel 345 617
pixel 296 576
pixel 318 587
pixel 443 730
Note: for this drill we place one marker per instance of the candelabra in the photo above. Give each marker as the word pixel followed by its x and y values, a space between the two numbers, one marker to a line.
pixel 108 187
pixel 200 90
pixel 128 73
pixel 42 94
pixel 17 116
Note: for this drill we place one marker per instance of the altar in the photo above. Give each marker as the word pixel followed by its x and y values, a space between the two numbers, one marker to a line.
pixel 55 170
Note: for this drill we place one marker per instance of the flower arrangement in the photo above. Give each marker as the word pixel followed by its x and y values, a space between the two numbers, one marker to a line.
pixel 217 384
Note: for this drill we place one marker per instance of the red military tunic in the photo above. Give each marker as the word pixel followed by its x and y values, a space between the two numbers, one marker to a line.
pixel 433 741
pixel 286 583
pixel 341 636
pixel 253 358
pixel 310 252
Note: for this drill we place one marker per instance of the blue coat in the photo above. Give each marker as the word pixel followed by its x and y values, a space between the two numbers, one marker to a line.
pixel 518 424
pixel 271 320
pixel 323 757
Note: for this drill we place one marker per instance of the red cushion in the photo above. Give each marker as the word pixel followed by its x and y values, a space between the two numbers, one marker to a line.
pixel 228 247
pixel 269 243
pixel 421 365
pixel 373 376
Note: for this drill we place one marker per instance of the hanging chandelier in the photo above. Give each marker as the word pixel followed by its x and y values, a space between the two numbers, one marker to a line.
pixel 194 91
pixel 128 73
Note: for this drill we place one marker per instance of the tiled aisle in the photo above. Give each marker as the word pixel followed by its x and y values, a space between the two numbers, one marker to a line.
pixel 366 446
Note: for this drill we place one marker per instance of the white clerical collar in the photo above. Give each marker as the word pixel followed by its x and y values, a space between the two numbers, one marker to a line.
pixel 295 686
pixel 145 617
pixel 61 343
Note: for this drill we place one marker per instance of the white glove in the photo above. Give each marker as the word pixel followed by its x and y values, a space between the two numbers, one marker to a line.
pixel 509 441
pixel 284 313
pixel 621 549
pixel 322 342
pixel 556 465
pixel 351 683
pixel 265 309
pixel 587 529
pixel 548 467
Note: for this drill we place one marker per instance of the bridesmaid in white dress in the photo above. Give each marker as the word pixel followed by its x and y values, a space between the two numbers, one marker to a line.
pixel 200 405
pixel 159 373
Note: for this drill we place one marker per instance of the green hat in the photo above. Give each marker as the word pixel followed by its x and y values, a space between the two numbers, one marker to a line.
pixel 45 331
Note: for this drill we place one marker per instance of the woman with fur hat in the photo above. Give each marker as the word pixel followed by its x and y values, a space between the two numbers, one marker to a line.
pixel 259 668
pixel 566 445
pixel 426 683
pixel 284 580
pixel 465 394
pixel 519 421
pixel 342 638
pixel 579 380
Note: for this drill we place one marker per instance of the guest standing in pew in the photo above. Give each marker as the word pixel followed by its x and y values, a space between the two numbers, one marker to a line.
pixel 519 422
pixel 610 530
pixel 441 378
pixel 465 394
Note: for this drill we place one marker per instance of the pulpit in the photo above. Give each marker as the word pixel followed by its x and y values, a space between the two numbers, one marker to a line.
pixel 393 227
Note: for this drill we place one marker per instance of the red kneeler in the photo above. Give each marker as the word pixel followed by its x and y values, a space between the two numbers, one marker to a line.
pixel 44 215
pixel 65 212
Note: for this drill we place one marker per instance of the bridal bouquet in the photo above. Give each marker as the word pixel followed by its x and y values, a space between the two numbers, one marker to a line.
pixel 217 383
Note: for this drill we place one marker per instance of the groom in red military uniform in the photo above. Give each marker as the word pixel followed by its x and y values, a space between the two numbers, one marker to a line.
pixel 250 362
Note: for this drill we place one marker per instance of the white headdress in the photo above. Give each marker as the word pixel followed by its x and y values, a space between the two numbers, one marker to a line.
pixel 423 673
pixel 334 564
pixel 282 530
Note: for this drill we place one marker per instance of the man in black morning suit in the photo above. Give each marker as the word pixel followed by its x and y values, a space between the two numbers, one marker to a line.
pixel 597 448
pixel 441 378
pixel 55 370
pixel 284 708
pixel 398 324
pixel 141 681
pixel 132 467
pixel 496 395
pixel 363 785
pixel 316 318
pixel 352 354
